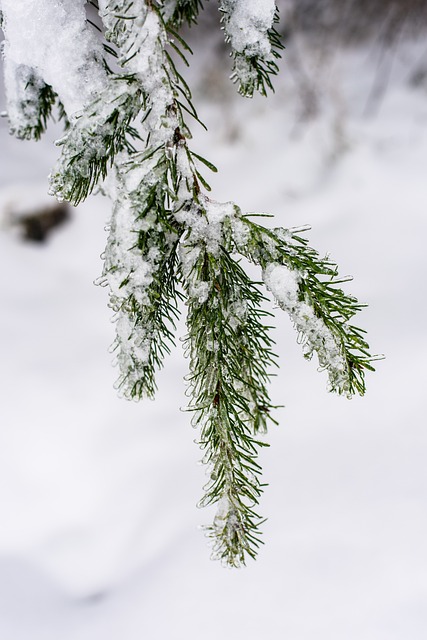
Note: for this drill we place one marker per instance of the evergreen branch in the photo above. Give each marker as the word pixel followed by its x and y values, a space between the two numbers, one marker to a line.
pixel 306 286
pixel 62 115
pixel 41 105
pixel 230 352
pixel 146 331
pixel 176 12
pixel 255 47
pixel 228 339
pixel 31 106
pixel 140 269
pixel 93 141
pixel 165 231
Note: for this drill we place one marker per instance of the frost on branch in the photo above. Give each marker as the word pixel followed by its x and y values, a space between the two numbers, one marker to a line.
pixel 314 334
pixel 176 12
pixel 29 101
pixel 255 44
pixel 128 109
pixel 140 271
pixel 41 36
pixel 141 43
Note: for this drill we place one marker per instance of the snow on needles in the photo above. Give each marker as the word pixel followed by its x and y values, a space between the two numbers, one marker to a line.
pixel 247 25
pixel 313 332
pixel 141 42
pixel 40 39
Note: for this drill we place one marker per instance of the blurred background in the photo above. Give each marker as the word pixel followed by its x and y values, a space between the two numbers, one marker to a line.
pixel 99 536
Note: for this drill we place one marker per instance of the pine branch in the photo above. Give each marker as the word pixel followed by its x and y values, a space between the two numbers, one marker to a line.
pixel 165 232
pixel 176 12
pixel 146 330
pixel 255 45
pixel 94 139
pixel 62 115
pixel 230 352
pixel 140 269
pixel 229 345
pixel 230 348
pixel 306 287
pixel 30 106
pixel 91 145
pixel 37 106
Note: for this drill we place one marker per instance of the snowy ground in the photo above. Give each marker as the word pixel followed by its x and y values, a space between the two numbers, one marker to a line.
pixel 98 530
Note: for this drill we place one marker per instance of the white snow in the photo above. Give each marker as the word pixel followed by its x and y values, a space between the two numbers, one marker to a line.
pixel 313 333
pixel 98 533
pixel 206 230
pixel 42 35
pixel 247 24
pixel 283 283
pixel 141 53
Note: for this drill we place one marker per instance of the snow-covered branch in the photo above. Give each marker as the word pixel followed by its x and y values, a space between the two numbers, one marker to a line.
pixel 128 110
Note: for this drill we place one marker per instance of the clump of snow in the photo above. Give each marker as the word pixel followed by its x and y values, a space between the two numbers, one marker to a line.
pixel 41 37
pixel 132 347
pixel 247 23
pixel 283 283
pixel 206 222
